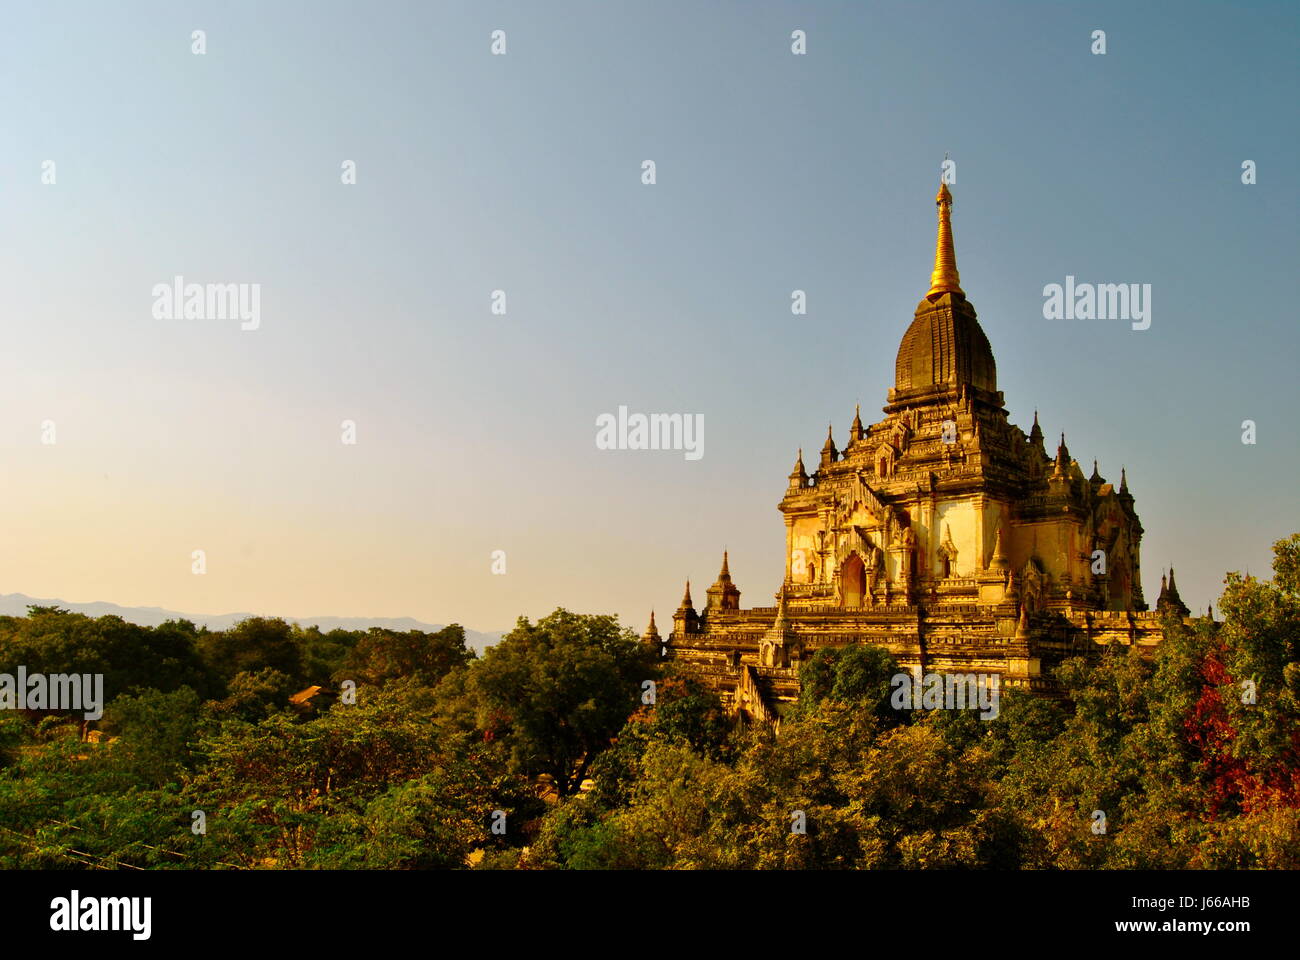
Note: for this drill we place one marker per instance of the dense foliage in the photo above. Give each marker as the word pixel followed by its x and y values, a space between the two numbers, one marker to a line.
pixel 553 751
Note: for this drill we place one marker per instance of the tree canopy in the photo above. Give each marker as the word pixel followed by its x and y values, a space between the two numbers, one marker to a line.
pixel 569 745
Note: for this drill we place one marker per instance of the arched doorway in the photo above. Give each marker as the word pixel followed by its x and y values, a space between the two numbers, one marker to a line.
pixel 854 578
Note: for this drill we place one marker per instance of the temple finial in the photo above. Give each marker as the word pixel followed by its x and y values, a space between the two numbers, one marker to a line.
pixel 651 636
pixel 798 475
pixel 829 453
pixel 944 279
pixel 999 559
pixel 723 595
pixel 1062 459
pixel 1169 600
pixel 686 599
pixel 1022 626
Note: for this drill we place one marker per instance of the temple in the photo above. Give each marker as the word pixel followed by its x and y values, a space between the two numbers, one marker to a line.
pixel 942 532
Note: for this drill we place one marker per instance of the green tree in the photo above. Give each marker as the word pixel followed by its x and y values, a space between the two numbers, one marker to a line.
pixel 255 695
pixel 558 690
pixel 130 657
pixel 382 655
pixel 252 645
pixel 155 733
pixel 859 674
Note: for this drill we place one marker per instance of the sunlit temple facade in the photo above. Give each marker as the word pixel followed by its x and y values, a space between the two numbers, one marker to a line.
pixel 942 532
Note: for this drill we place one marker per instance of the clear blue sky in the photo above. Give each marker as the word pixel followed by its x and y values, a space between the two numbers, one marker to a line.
pixel 522 172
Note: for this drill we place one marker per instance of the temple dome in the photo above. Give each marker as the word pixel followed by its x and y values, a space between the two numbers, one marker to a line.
pixel 945 347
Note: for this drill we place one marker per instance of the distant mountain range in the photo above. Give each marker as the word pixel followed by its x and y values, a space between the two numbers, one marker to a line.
pixel 16 604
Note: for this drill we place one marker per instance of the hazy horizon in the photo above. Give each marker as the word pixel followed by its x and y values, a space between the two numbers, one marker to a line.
pixel 475 432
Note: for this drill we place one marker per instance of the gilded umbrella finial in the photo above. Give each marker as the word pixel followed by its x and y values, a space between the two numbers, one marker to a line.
pixel 944 279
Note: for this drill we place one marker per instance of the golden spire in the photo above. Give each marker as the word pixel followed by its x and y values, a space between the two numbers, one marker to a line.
pixel 944 279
